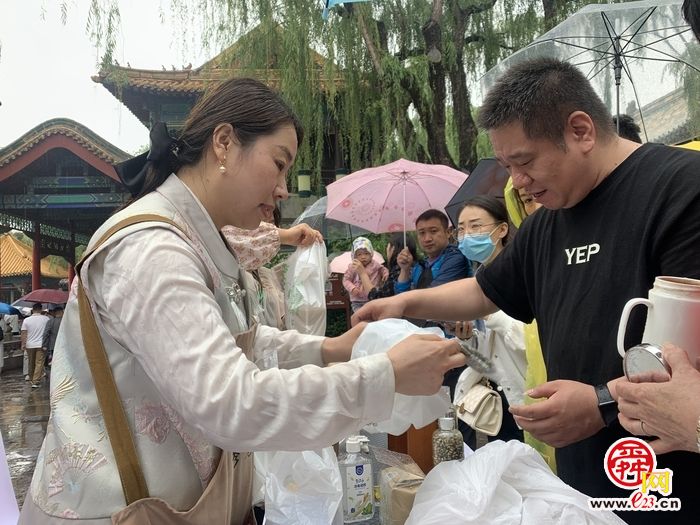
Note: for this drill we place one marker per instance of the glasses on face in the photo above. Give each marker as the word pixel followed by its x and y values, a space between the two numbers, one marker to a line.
pixel 526 199
pixel 473 229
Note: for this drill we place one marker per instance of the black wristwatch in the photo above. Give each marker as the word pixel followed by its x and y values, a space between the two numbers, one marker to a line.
pixel 606 404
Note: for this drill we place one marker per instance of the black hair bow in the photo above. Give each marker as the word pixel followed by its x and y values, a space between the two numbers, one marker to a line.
pixel 133 172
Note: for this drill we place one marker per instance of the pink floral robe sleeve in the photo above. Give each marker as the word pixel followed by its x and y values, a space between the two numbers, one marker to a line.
pixel 253 248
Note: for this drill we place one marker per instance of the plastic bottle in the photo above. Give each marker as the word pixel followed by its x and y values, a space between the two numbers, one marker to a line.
pixel 447 441
pixel 356 475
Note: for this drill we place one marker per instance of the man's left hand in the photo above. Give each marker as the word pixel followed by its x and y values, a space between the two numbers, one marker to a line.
pixel 567 415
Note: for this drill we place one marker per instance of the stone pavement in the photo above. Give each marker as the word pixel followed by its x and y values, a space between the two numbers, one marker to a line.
pixel 24 413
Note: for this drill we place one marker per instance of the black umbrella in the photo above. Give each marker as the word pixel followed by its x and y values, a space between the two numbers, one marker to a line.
pixel 488 178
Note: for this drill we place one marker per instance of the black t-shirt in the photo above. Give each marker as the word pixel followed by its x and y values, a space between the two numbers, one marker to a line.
pixel 574 269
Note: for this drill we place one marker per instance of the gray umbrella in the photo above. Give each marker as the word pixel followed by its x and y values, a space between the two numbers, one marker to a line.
pixel 315 216
pixel 641 57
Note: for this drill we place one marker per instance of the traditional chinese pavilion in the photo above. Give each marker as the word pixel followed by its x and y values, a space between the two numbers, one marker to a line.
pixel 16 269
pixel 167 95
pixel 58 184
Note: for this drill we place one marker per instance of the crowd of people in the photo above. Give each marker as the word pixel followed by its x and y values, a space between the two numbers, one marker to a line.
pixel 155 419
pixel 556 138
pixel 38 334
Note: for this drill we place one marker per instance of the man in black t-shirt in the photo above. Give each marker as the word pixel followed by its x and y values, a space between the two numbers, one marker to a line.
pixel 616 215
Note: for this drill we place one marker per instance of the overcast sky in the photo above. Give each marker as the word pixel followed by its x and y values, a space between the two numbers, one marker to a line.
pixel 45 66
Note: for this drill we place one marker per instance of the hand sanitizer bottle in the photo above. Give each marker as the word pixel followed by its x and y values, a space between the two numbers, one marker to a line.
pixel 356 475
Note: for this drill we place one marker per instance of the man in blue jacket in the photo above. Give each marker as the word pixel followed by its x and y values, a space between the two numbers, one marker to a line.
pixel 444 262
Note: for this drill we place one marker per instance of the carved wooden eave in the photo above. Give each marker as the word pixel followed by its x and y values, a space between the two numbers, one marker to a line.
pixel 60 133
pixel 125 82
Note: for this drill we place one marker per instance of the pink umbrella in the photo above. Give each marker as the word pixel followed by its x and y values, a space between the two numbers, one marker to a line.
pixel 389 198
pixel 340 263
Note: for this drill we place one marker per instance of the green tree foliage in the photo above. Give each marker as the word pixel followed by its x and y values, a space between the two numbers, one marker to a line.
pixel 386 79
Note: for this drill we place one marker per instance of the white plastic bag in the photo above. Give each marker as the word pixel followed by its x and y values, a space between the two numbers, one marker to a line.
pixel 305 290
pixel 9 513
pixel 502 484
pixel 418 411
pixel 303 488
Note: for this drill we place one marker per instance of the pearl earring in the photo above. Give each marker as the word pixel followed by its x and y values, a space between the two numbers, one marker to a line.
pixel 222 167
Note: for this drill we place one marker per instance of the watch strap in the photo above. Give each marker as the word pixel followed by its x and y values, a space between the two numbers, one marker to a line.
pixel 606 404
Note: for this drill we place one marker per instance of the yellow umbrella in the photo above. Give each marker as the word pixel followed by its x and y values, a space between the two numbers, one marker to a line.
pixel 693 144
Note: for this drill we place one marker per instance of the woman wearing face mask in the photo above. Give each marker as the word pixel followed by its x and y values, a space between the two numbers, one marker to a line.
pixel 482 233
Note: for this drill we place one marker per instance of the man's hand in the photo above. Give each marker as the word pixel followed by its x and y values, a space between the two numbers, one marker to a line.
pixel 338 349
pixel 668 409
pixel 421 361
pixel 300 235
pixel 390 307
pixel 569 414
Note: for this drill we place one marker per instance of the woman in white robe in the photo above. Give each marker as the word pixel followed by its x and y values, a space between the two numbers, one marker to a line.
pixel 170 305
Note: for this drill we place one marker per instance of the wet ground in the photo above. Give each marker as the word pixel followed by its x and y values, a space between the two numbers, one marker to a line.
pixel 24 413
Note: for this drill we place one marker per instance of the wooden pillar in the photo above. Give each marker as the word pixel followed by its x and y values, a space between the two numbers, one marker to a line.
pixel 36 258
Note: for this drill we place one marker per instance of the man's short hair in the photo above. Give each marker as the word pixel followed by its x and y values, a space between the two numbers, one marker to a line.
pixel 629 129
pixel 540 94
pixel 433 214
pixel 691 13
pixel 37 307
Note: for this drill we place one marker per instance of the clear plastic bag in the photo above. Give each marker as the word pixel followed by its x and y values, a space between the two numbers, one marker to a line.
pixel 303 488
pixel 418 411
pixel 305 290
pixel 501 484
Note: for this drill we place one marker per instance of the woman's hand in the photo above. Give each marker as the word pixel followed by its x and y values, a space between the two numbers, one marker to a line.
pixel 338 349
pixel 460 329
pixel 420 362
pixel 300 235
pixel 404 259
pixel 463 329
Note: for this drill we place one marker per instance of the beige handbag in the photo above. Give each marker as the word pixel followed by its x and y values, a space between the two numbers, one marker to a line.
pixel 480 406
pixel 482 409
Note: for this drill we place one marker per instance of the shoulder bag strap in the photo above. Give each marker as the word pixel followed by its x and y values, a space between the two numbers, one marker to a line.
pixel 120 438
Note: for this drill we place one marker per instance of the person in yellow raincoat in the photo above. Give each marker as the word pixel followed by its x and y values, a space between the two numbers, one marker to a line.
pixel 520 205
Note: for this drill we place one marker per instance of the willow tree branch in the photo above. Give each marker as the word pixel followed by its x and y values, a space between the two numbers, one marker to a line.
pixel 475 9
pixel 481 38
pixel 369 42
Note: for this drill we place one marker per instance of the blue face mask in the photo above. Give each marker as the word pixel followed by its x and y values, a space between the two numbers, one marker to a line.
pixel 477 247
